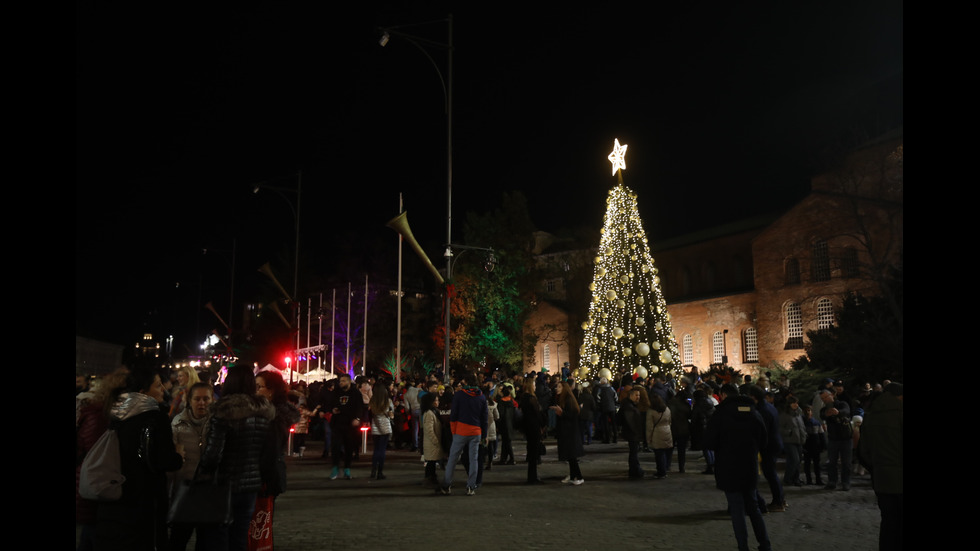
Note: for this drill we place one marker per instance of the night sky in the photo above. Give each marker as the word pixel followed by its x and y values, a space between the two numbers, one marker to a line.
pixel 727 111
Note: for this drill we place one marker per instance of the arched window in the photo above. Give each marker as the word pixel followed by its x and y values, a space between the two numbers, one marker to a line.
pixel 688 350
pixel 820 263
pixel 848 262
pixel 794 326
pixel 751 340
pixel 825 313
pixel 792 271
pixel 717 347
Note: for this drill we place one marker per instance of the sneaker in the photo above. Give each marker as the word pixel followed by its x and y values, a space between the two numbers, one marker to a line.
pixel 471 491
pixel 845 487
pixel 444 491
pixel 334 473
pixel 776 508
pixel 578 481
pixel 347 475
pixel 566 480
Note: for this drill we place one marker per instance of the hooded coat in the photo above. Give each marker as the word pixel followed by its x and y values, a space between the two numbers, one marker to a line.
pixel 737 433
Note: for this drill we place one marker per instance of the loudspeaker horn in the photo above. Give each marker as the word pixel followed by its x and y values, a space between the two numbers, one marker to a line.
pixel 400 225
pixel 265 269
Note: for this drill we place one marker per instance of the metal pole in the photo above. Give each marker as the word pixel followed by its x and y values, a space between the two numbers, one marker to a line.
pixel 364 353
pixel 348 365
pixel 319 333
pixel 449 190
pixel 333 327
pixel 398 331
pixel 309 321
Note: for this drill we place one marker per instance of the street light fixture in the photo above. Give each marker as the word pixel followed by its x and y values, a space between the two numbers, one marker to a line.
pixel 296 213
pixel 447 90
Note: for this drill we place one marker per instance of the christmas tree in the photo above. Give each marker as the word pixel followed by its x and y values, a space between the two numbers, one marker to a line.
pixel 628 328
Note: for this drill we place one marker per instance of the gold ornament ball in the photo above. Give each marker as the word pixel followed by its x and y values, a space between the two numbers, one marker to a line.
pixel 641 371
pixel 618 332
pixel 594 359
pixel 611 294
pixel 639 301
pixel 643 349
pixel 604 372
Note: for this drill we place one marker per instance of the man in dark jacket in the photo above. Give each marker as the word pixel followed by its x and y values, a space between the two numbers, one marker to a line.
pixel 737 433
pixel 882 452
pixel 346 407
pixel 606 402
pixel 632 423
pixel 770 452
pixel 836 414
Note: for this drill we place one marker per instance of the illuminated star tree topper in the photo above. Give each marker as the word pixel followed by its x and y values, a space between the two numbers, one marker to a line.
pixel 628 328
pixel 618 157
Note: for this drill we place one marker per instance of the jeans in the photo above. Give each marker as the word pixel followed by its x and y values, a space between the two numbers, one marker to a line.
pixel 741 504
pixel 416 419
pixel 471 443
pixel 662 456
pixel 586 430
pixel 235 536
pixel 380 448
pixel 634 459
pixel 839 450
pixel 772 477
pixel 681 444
pixel 793 454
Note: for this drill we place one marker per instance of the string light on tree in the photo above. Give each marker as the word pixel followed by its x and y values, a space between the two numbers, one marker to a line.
pixel 628 328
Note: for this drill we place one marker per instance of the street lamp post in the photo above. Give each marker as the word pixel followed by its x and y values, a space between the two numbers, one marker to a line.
pixel 447 90
pixel 296 215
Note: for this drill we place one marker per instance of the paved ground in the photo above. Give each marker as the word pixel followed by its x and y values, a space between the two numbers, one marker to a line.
pixel 608 512
pixel 683 511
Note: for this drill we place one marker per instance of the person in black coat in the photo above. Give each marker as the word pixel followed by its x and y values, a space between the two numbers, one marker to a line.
pixel 630 418
pixel 533 427
pixel 737 433
pixel 569 431
pixel 506 425
pixel 137 520
pixel 586 403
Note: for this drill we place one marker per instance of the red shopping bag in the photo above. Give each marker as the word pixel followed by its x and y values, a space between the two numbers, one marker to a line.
pixel 260 528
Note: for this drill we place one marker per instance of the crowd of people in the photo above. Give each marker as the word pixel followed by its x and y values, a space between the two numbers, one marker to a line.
pixel 240 431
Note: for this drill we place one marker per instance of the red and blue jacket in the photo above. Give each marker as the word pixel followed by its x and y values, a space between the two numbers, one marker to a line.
pixel 468 416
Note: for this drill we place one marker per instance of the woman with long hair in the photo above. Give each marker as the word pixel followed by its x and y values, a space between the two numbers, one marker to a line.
pixel 569 431
pixel 270 385
pixel 382 410
pixel 186 378
pixel 531 414
pixel 431 439
pixel 138 520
